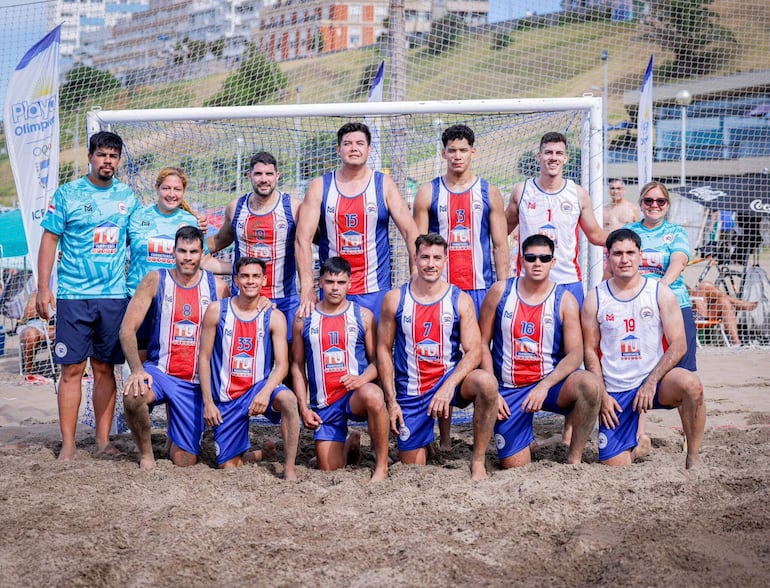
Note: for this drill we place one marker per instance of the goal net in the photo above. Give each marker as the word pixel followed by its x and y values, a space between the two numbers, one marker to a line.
pixel 213 146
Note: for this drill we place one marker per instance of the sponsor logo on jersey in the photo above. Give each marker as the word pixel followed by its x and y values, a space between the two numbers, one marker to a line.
pixel 476 205
pixel 460 238
pixel 499 441
pixel 525 349
pixel 371 209
pixel 447 318
pixel 567 207
pixel 531 205
pixel 630 348
pixel 334 360
pixel 646 313
pixel 160 249
pixel 351 243
pixel 105 239
pixel 404 433
pixel 428 350
pixel 261 251
pixel 609 317
pixel 122 208
pixel 184 333
pixel 242 365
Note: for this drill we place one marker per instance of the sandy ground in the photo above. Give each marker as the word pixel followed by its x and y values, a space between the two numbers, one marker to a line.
pixel 94 522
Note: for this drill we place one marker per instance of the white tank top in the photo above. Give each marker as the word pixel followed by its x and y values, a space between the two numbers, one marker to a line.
pixel 632 340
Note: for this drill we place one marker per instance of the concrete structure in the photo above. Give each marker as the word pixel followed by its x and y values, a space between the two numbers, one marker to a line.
pixel 292 29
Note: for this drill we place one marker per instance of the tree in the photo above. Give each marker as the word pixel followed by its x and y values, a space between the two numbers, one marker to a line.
pixel 85 82
pixel 256 80
pixel 319 155
pixel 687 28
pixel 316 44
pixel 217 48
pixel 444 33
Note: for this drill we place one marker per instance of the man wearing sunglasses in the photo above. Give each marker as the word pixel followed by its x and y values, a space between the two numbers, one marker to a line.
pixel 555 206
pixel 533 325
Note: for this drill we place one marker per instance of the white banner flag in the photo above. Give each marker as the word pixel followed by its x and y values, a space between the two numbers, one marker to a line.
pixel 31 120
pixel 644 127
pixel 375 95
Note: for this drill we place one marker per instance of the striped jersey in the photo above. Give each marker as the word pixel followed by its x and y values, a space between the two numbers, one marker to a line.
pixel 632 340
pixel 243 352
pixel 427 344
pixel 556 215
pixel 462 218
pixel 527 343
pixel 334 346
pixel 269 237
pixel 177 314
pixel 356 228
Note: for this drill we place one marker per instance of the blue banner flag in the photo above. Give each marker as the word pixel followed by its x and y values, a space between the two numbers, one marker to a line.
pixel 644 127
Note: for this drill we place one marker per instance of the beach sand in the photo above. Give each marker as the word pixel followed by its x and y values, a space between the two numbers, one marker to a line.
pixel 95 522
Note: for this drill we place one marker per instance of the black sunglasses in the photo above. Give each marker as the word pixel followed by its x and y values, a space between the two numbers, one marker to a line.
pixel 661 202
pixel 543 257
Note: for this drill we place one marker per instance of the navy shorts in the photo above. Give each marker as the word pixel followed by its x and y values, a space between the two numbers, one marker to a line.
pixel 372 301
pixel 288 306
pixel 89 328
pixel 691 334
pixel 417 430
pixel 478 298
pixel 577 291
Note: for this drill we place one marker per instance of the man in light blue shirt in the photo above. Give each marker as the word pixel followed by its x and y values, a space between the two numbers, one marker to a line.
pixel 88 220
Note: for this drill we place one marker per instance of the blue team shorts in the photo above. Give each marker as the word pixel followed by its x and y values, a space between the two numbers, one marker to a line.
pixel 417 430
pixel 89 328
pixel 371 301
pixel 623 437
pixel 335 420
pixel 577 291
pixel 478 298
pixel 231 438
pixel 691 334
pixel 184 408
pixel 515 433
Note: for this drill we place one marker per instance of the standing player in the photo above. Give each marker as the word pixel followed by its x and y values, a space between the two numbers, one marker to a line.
pixel 554 206
pixel 434 362
pixel 243 359
pixel 352 208
pixel 634 336
pixel 469 213
pixel 336 344
pixel 175 301
pixel 533 325
pixel 262 224
pixel 87 219
pixel 619 211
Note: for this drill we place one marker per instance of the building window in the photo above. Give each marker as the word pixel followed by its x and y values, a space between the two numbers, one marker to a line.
pixel 354 13
pixel 354 37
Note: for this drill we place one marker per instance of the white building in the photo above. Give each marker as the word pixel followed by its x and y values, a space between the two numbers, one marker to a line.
pixel 79 17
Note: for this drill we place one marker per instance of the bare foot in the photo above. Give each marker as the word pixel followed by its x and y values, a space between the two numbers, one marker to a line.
pixel 147 463
pixel 643 447
pixel 267 452
pixel 67 453
pixel 289 473
pixel 478 471
pixel 109 451
pixel 353 448
pixel 379 474
pixel 692 462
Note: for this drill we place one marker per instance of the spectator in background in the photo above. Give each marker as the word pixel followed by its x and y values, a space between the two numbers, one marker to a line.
pixel 619 211
pixel 711 303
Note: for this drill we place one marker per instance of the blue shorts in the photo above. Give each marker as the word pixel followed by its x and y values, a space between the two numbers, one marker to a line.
pixel 691 334
pixel 478 298
pixel 231 438
pixel 288 305
pixel 372 301
pixel 515 433
pixel 335 420
pixel 577 291
pixel 623 437
pixel 89 328
pixel 417 430
pixel 184 408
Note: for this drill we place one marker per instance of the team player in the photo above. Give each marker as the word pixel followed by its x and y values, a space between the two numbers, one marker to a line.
pixel 352 207
pixel 428 352
pixel 87 218
pixel 634 336
pixel 533 325
pixel 555 206
pixel 174 300
pixel 336 344
pixel 263 224
pixel 243 359
pixel 469 213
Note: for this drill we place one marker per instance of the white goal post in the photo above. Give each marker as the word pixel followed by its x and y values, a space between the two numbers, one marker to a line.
pixel 214 145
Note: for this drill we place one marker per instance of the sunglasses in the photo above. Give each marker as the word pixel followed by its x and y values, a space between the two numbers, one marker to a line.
pixel 661 202
pixel 543 257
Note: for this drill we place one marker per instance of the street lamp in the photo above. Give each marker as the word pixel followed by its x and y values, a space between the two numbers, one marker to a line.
pixel 683 99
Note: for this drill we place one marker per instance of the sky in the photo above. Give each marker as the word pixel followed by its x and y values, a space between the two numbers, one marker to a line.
pixel 15 39
pixel 508 9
